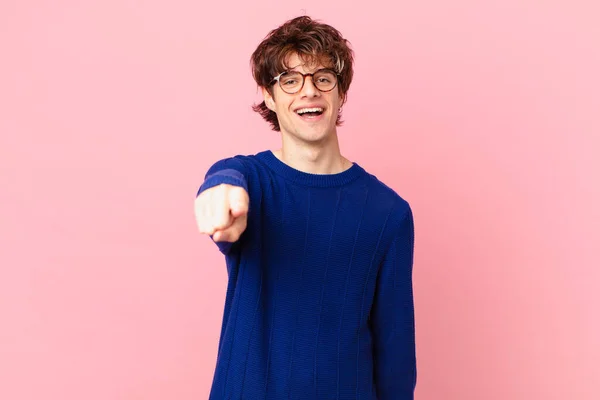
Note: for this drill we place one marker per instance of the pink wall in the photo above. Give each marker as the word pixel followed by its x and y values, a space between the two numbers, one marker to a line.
pixel 485 117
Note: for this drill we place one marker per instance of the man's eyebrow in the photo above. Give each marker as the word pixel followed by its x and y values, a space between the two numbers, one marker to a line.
pixel 315 70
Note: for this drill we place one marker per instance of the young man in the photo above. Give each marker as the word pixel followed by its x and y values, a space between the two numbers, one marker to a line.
pixel 319 253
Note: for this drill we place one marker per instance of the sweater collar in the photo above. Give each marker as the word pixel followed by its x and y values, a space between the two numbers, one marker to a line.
pixel 309 179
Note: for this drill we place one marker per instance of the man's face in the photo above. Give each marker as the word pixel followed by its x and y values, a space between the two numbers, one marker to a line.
pixel 306 127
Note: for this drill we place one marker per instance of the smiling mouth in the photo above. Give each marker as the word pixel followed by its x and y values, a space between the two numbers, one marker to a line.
pixel 309 113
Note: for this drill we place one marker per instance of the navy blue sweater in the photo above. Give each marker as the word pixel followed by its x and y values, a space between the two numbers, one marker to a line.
pixel 319 301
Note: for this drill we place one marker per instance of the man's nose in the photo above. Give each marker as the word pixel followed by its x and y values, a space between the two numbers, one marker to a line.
pixel 309 89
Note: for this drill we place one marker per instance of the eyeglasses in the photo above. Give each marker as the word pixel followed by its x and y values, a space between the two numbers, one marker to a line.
pixel 293 81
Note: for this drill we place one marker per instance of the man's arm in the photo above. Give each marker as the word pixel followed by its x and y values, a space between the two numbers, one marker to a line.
pixel 231 171
pixel 393 321
pixel 222 202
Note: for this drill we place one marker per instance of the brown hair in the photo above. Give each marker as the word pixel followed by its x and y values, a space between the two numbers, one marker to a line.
pixel 314 42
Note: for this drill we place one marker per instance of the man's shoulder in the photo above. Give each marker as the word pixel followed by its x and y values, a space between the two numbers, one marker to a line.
pixel 382 193
pixel 384 190
pixel 238 160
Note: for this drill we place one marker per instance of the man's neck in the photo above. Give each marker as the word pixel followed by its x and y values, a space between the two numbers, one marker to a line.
pixel 313 158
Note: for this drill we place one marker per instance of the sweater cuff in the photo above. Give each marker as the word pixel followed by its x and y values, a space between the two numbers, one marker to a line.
pixel 226 176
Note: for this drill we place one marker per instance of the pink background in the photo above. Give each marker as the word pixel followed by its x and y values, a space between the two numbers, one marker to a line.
pixel 485 117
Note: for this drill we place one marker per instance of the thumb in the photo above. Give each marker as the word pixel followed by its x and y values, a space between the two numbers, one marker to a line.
pixel 238 202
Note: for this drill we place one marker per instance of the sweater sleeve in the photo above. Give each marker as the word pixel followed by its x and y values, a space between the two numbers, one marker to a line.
pixel 392 319
pixel 230 171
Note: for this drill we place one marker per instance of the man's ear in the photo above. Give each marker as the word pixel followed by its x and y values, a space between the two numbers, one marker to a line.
pixel 269 101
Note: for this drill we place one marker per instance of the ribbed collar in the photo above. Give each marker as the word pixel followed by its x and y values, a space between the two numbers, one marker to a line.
pixel 308 179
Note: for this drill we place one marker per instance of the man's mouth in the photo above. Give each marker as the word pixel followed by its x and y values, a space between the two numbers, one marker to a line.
pixel 310 113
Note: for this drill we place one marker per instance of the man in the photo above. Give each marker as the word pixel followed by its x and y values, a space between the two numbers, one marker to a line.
pixel 319 253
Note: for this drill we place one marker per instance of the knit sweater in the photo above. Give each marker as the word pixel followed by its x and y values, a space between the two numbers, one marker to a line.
pixel 319 301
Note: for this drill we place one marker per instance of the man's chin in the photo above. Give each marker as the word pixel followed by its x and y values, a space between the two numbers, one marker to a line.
pixel 316 136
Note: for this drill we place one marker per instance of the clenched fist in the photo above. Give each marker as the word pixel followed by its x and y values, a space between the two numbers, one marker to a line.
pixel 222 211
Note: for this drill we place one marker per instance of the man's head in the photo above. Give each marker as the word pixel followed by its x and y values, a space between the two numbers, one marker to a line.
pixel 303 46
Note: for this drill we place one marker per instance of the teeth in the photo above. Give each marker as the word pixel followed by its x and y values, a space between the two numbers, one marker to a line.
pixel 305 110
